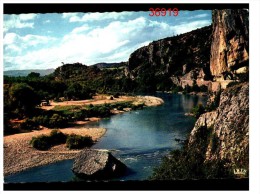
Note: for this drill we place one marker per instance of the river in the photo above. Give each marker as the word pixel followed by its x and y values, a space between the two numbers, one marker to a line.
pixel 138 138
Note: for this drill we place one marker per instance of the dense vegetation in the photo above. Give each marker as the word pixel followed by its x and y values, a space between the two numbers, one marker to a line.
pixel 45 142
pixel 61 116
pixel 74 141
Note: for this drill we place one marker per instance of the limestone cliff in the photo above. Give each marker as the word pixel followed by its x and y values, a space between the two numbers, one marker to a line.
pixel 230 43
pixel 227 129
pixel 218 146
pixel 182 59
pixel 211 56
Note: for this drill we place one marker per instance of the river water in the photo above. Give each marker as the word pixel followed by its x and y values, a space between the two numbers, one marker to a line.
pixel 138 138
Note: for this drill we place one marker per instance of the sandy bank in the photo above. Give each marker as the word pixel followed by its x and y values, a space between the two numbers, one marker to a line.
pixel 19 155
pixel 149 100
pixel 101 99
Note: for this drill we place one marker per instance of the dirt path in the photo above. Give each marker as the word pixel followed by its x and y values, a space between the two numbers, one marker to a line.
pixel 19 155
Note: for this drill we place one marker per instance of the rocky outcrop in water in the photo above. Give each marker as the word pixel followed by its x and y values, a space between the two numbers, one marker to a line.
pixel 95 164
pixel 230 44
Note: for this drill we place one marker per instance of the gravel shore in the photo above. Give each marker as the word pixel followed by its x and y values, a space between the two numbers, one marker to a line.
pixel 19 155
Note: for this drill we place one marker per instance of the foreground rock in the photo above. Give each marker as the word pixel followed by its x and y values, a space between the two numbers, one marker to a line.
pixel 226 129
pixel 17 148
pixel 96 164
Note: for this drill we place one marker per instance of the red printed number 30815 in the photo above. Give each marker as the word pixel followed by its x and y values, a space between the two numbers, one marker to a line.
pixel 163 12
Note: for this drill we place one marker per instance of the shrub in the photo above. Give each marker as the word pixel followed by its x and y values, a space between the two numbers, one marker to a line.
pixel 116 95
pixel 41 120
pixel 198 110
pixel 231 84
pixel 98 111
pixel 80 115
pixel 44 142
pixel 57 121
pixel 41 142
pixel 177 89
pixel 203 88
pixel 195 87
pixel 76 141
pixel 52 121
pixel 189 162
pixel 29 124
pixel 214 105
pixel 243 77
pixel 187 89
pixel 57 137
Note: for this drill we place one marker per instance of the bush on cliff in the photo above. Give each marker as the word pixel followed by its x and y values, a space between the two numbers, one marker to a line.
pixel 198 110
pixel 214 105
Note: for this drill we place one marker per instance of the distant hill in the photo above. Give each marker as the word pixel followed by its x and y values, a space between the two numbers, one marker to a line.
pixel 43 72
pixel 109 65
pixel 17 73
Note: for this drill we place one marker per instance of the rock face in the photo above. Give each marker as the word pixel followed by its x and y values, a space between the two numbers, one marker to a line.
pixel 230 43
pixel 225 131
pixel 95 164
pixel 184 56
pixel 227 128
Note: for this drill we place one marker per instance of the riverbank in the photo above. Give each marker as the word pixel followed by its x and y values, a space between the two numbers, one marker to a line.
pixel 19 155
pixel 17 147
pixel 104 99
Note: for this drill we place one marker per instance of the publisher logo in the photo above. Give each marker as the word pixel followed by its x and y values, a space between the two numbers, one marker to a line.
pixel 240 171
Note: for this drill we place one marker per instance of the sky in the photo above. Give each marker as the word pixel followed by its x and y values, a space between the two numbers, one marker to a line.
pixel 43 41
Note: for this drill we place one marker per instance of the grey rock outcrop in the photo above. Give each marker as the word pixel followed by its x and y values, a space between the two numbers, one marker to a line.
pixel 227 128
pixel 95 164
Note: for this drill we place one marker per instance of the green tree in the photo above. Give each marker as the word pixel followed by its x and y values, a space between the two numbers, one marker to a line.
pixel 22 98
pixel 73 90
pixel 33 75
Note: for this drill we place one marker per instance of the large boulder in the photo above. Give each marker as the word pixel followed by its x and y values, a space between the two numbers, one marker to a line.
pixel 96 164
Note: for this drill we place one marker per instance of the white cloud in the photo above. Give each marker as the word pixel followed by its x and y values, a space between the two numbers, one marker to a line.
pixel 13 48
pixel 10 38
pixel 80 29
pixel 111 43
pixel 203 15
pixel 186 27
pixel 25 17
pixel 75 17
pixel 33 40
pixel 28 40
pixel 68 15
pixel 18 21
